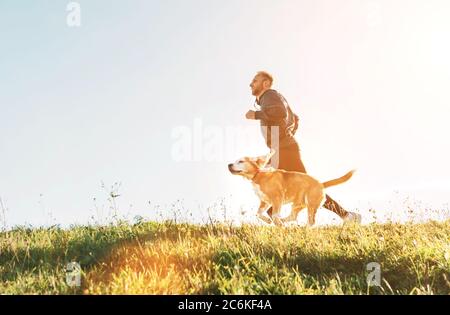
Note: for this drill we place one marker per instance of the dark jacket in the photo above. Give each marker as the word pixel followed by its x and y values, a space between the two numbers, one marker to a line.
pixel 276 112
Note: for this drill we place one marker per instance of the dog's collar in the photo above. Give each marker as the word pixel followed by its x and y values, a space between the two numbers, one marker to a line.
pixel 264 170
pixel 256 174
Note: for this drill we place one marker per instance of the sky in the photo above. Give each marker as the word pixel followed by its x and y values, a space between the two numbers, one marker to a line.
pixel 151 95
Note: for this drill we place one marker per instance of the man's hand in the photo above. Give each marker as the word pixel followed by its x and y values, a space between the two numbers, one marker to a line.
pixel 250 114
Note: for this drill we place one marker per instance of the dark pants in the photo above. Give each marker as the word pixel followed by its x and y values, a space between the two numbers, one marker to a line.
pixel 289 160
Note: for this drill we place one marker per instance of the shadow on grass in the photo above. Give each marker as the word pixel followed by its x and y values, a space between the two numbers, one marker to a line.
pixel 351 271
pixel 87 246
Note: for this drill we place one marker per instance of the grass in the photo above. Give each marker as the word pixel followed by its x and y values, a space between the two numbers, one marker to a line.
pixel 168 258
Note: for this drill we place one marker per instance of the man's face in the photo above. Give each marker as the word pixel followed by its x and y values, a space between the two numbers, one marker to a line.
pixel 257 85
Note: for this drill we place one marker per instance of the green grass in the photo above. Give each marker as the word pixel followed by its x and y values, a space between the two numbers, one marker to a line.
pixel 167 258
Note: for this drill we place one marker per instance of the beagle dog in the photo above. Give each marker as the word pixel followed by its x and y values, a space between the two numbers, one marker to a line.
pixel 276 187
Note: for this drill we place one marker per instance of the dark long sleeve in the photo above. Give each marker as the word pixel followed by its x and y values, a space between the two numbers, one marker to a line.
pixel 273 109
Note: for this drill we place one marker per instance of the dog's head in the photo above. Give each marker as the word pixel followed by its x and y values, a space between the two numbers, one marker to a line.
pixel 248 167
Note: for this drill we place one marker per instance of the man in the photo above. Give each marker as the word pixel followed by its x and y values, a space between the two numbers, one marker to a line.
pixel 278 125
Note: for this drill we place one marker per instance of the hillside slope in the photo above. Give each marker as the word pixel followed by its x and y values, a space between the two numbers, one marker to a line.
pixel 167 258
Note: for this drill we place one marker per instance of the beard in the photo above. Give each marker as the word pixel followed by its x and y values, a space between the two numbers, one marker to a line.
pixel 256 91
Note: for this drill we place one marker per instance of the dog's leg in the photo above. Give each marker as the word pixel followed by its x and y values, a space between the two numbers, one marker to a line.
pixel 314 201
pixel 262 209
pixel 311 215
pixel 276 208
pixel 294 213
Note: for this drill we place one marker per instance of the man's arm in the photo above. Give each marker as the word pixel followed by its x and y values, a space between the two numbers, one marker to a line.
pixel 295 120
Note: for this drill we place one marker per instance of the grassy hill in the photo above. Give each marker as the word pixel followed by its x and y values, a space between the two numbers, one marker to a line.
pixel 168 258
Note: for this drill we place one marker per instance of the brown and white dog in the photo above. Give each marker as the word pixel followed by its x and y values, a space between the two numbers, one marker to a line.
pixel 276 187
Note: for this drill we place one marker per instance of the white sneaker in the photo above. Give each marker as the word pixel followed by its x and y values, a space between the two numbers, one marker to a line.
pixel 352 217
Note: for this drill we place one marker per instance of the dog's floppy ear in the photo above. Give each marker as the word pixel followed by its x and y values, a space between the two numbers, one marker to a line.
pixel 269 156
pixel 263 160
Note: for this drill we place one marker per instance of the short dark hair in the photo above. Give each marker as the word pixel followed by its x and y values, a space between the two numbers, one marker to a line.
pixel 266 76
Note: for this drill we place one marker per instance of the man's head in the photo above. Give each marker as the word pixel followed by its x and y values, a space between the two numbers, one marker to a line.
pixel 260 83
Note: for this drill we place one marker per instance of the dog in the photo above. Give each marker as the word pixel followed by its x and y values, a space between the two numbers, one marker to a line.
pixel 276 187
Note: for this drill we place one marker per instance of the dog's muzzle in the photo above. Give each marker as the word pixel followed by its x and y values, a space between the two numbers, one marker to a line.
pixel 233 171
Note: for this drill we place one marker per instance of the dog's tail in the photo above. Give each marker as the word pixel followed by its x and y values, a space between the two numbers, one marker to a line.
pixel 339 180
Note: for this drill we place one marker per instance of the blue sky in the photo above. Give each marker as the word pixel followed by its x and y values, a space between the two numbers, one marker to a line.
pixel 100 103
